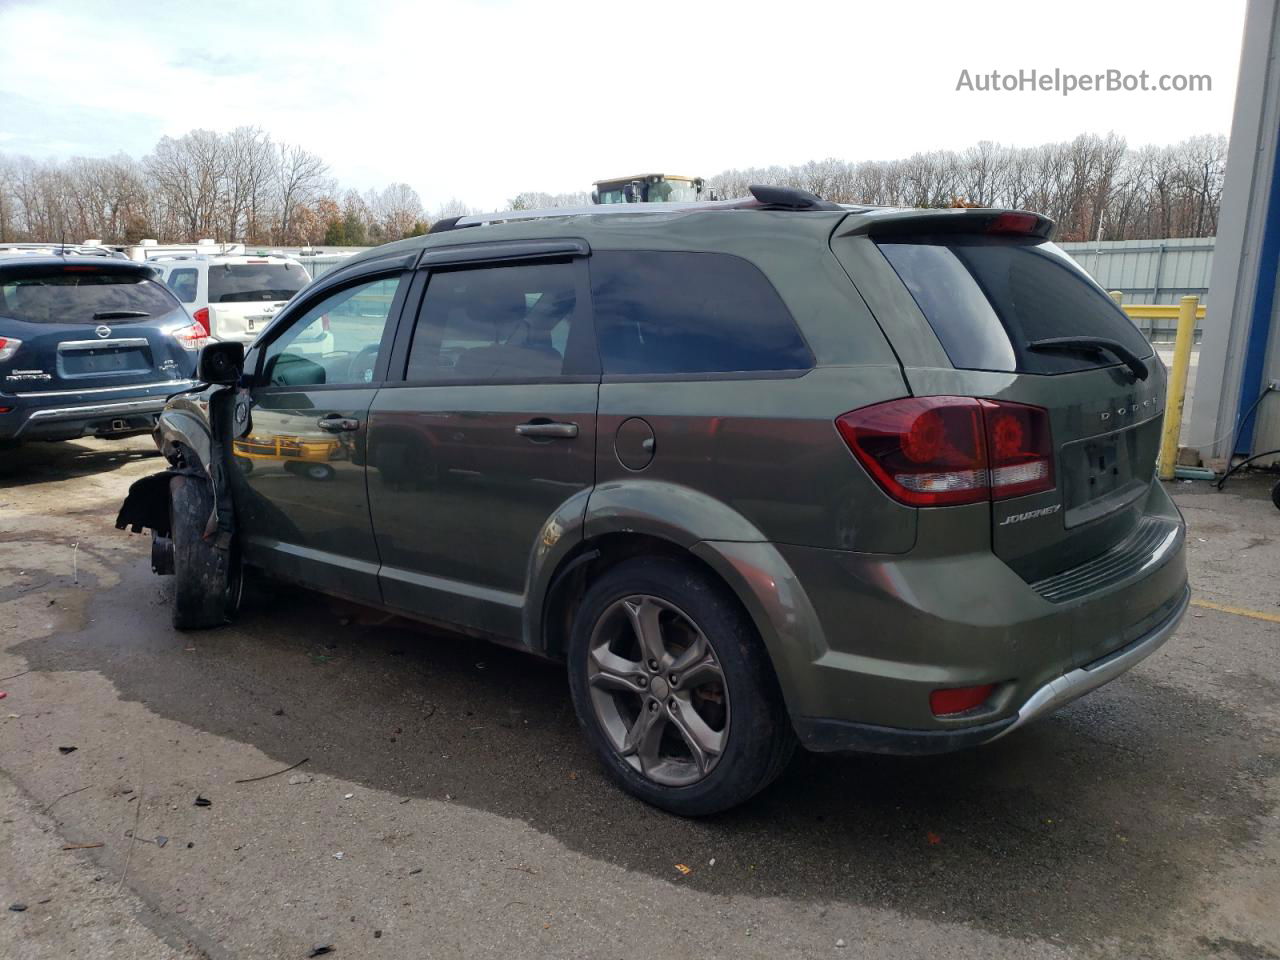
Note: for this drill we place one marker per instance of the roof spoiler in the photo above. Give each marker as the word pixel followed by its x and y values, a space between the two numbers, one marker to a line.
pixel 967 220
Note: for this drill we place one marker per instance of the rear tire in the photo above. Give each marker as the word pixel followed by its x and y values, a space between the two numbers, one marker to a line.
pixel 207 581
pixel 695 742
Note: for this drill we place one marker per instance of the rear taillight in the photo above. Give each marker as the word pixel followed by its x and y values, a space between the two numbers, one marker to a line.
pixel 8 347
pixel 938 451
pixel 1019 448
pixel 201 317
pixel 191 336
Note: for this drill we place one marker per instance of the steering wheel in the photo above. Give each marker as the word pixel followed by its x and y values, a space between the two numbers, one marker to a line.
pixel 360 370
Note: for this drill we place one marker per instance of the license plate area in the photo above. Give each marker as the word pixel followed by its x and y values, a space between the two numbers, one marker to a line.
pixel 1106 473
pixel 103 358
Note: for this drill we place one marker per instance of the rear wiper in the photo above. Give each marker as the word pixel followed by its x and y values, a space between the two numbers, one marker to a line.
pixel 119 314
pixel 1095 345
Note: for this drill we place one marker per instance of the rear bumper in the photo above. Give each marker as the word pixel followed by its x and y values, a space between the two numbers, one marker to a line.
pixel 826 735
pixel 66 415
pixel 860 641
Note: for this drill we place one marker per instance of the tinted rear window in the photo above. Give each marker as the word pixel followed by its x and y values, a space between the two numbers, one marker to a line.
pixel 987 298
pixel 62 296
pixel 238 282
pixel 665 313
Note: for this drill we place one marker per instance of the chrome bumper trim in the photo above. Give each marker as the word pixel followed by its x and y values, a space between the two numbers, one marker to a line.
pixel 173 384
pixel 89 410
pixel 1062 690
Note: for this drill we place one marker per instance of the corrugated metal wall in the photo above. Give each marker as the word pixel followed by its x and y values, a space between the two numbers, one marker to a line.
pixel 1148 271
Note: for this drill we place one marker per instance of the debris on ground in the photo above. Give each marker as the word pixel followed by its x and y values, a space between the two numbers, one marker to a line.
pixel 65 750
pixel 339 855
pixel 683 869
pixel 161 840
pixel 320 949
pixel 17 907
pixel 933 838
pixel 82 846
pixel 415 870
pixel 298 778
pixel 841 943
pixel 3 694
pixel 267 776
pixel 347 796
pixel 202 801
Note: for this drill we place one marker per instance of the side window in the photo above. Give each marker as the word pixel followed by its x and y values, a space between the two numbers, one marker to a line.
pixel 498 324
pixel 336 341
pixel 671 313
pixel 183 284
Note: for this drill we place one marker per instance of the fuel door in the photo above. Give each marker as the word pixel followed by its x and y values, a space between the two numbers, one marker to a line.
pixel 634 443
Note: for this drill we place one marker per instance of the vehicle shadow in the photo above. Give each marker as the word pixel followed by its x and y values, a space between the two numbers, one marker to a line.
pixel 1074 827
pixel 42 461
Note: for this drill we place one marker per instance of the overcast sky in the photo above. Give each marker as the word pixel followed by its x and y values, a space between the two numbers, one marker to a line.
pixel 481 99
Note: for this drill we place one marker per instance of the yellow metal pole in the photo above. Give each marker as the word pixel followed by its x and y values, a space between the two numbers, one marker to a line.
pixel 1177 385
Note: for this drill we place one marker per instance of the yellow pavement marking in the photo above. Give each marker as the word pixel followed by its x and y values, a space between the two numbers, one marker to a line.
pixel 1239 611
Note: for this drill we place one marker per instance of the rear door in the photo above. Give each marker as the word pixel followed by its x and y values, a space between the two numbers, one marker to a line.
pixel 486 450
pixel 964 315
pixel 91 328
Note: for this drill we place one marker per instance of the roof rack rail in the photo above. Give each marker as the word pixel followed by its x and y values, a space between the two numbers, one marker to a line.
pixel 790 198
pixel 762 198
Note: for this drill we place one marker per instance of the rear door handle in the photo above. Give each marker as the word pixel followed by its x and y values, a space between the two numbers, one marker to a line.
pixel 547 429
pixel 337 424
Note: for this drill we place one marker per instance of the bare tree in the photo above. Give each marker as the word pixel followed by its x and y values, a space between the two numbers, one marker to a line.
pixel 300 176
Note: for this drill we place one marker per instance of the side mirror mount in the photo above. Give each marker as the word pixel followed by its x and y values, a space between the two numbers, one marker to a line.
pixel 221 363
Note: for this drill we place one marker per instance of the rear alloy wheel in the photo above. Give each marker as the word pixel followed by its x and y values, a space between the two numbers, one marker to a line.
pixel 675 690
pixel 658 690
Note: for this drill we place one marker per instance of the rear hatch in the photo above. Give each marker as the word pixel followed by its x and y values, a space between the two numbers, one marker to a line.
pixel 246 293
pixel 1019 322
pixel 74 326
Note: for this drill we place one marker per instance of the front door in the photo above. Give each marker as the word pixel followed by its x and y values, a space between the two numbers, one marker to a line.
pixel 489 439
pixel 301 460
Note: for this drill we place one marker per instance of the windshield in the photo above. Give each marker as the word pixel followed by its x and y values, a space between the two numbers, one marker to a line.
pixel 238 282
pixel 61 295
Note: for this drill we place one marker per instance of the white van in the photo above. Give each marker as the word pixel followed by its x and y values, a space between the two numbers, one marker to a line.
pixel 232 297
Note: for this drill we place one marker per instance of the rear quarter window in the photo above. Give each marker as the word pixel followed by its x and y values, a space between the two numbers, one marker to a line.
pixel 986 298
pixel 660 312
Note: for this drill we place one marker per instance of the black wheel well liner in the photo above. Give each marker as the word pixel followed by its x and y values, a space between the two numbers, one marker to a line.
pixel 590 560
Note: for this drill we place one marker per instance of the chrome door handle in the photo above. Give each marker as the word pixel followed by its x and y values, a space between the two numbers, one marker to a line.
pixel 548 429
pixel 337 424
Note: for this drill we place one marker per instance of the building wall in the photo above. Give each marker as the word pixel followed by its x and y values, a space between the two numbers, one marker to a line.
pixel 1240 353
pixel 1148 271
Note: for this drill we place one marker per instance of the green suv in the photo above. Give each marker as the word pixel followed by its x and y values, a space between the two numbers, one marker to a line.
pixel 762 473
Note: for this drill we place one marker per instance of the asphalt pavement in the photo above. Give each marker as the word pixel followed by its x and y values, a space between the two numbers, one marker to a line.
pixel 444 804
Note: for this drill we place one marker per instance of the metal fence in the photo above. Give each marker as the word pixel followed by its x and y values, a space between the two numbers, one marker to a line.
pixel 1148 271
pixel 320 265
